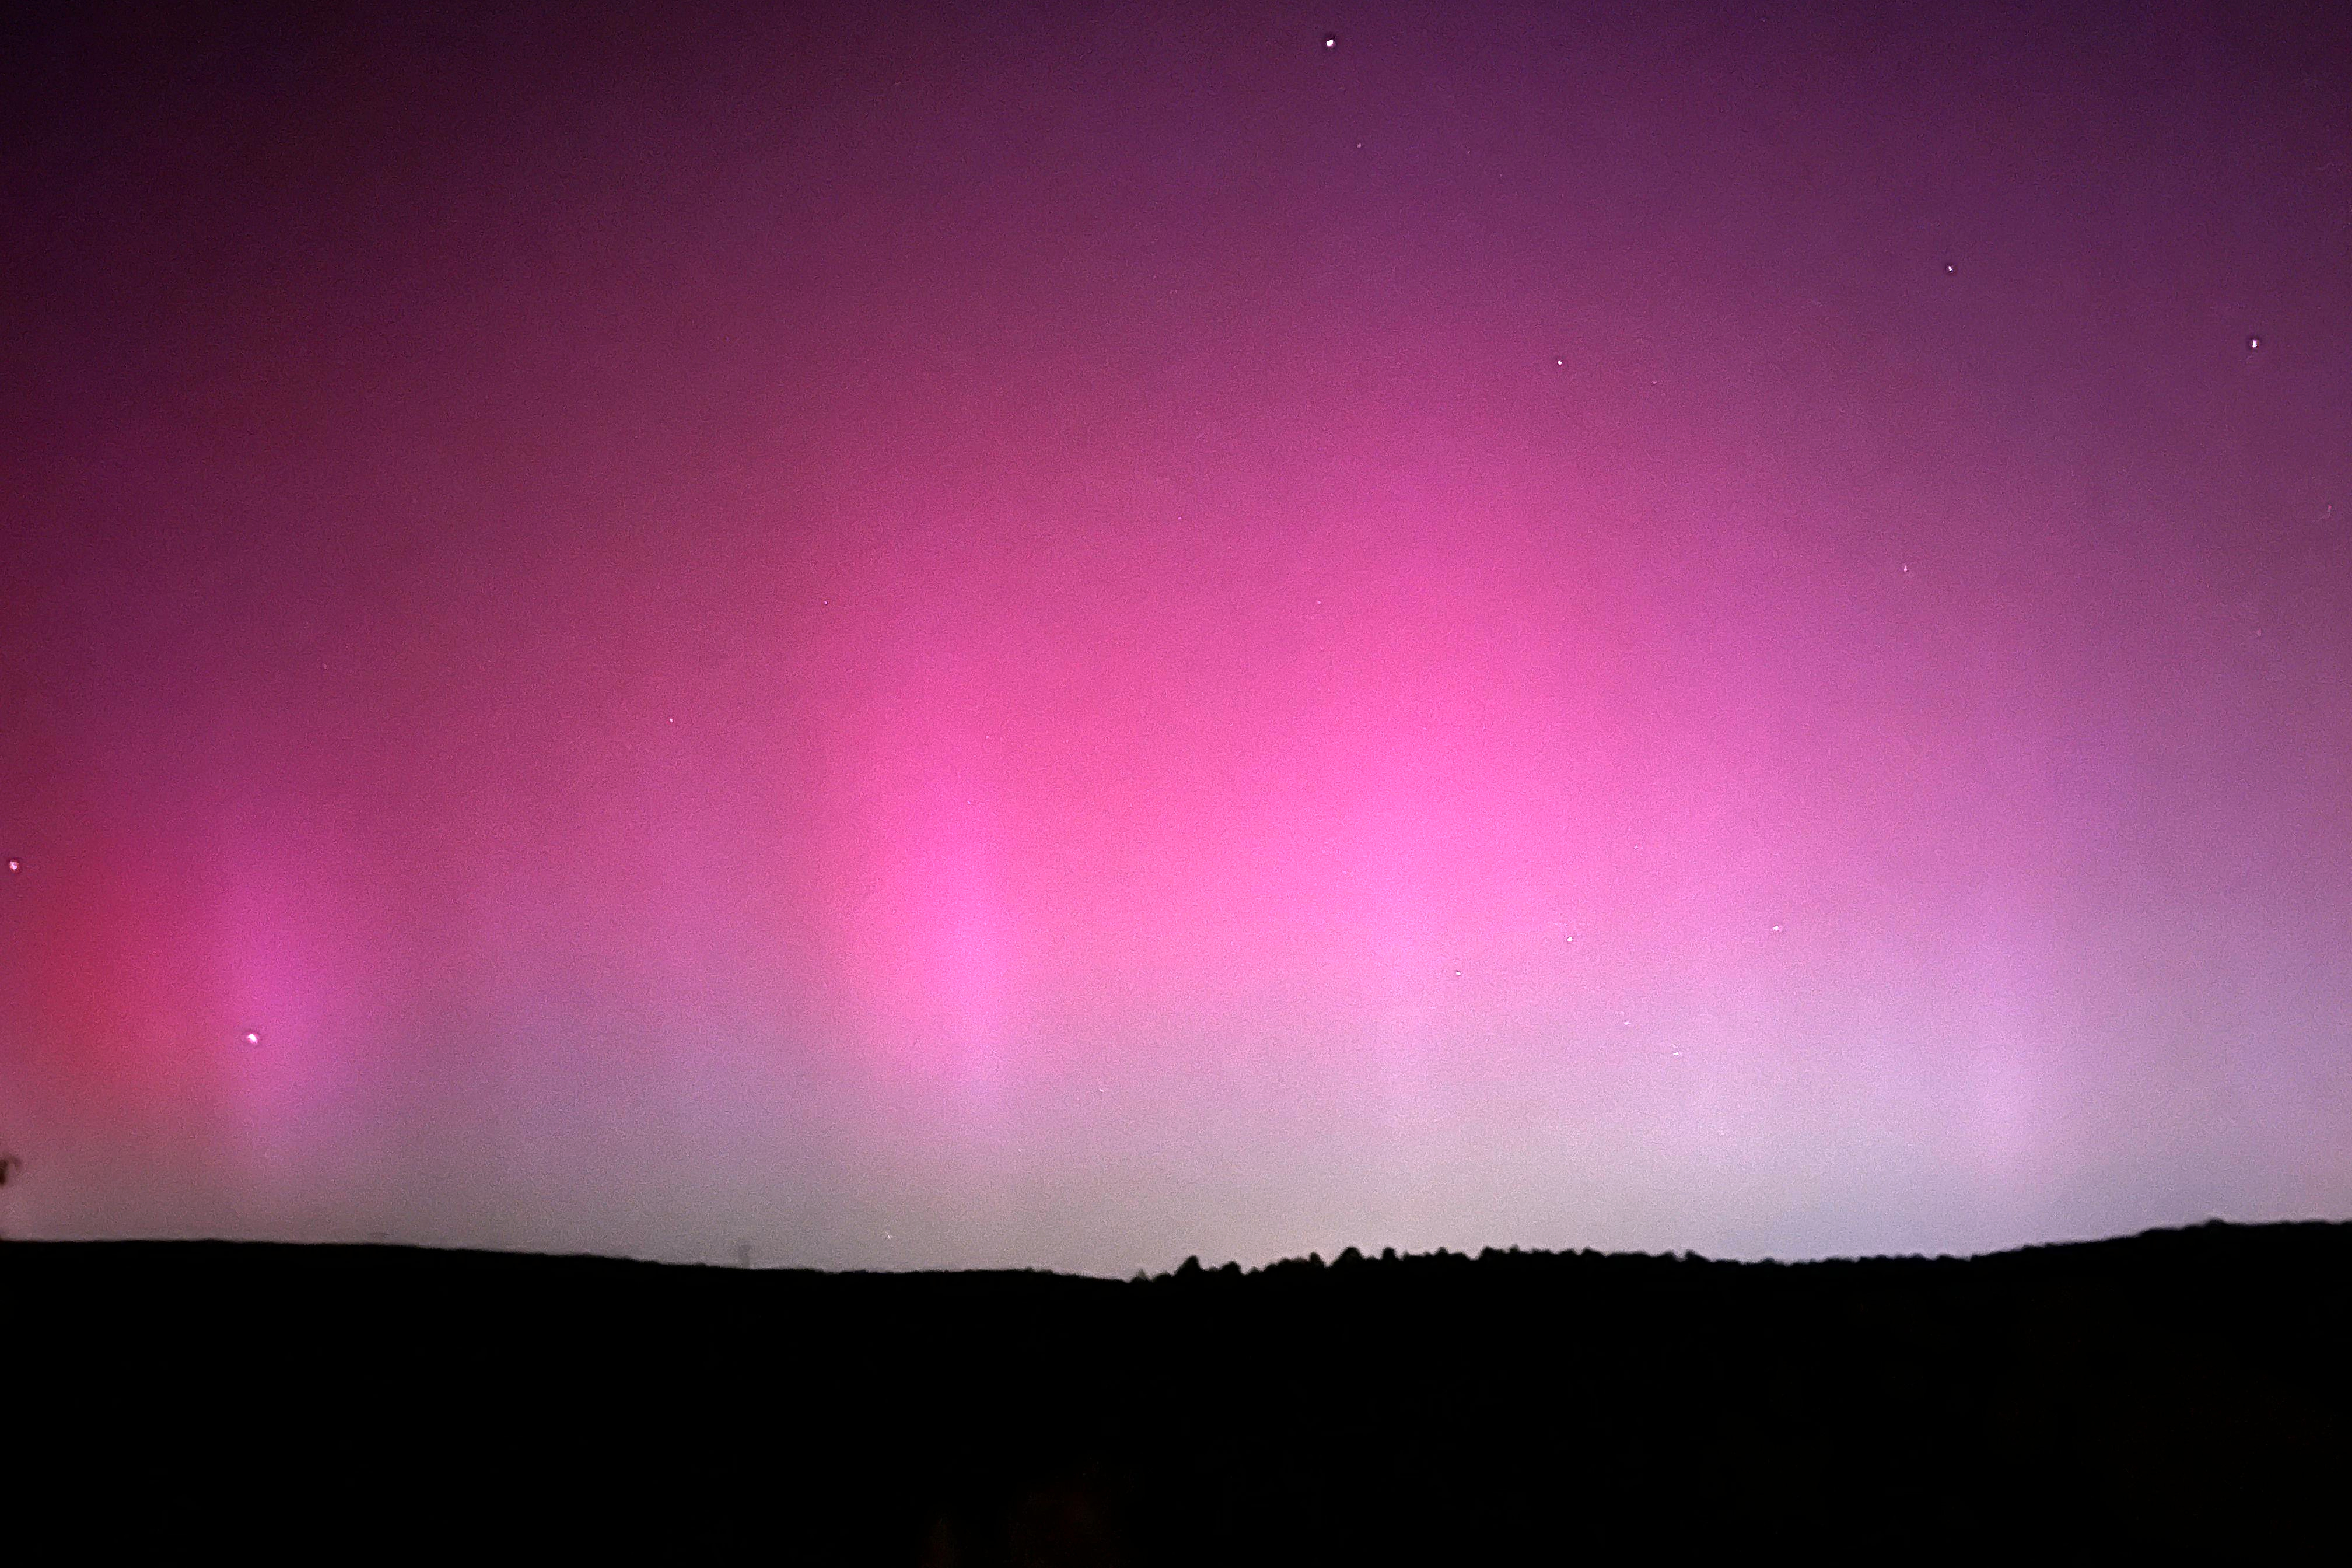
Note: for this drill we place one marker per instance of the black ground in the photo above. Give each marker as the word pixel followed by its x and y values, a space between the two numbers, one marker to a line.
pixel 341 1403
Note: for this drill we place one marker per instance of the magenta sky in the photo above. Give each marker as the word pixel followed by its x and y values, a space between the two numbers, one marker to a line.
pixel 1066 636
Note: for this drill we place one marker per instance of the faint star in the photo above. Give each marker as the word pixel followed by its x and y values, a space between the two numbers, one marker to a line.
pixel 253 1036
pixel 1329 41
pixel 2253 343
pixel 1948 267
pixel 15 865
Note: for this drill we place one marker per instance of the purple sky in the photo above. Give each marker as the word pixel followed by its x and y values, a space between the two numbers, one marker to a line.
pixel 1066 636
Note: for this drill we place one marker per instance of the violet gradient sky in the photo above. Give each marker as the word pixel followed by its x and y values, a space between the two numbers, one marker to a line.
pixel 1068 635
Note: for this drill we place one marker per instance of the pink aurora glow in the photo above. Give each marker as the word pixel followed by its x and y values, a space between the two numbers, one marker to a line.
pixel 1039 641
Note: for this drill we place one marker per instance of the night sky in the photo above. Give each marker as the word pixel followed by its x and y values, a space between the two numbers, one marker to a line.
pixel 1064 636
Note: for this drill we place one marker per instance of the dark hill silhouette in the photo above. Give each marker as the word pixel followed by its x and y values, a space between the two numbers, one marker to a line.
pixel 350 1402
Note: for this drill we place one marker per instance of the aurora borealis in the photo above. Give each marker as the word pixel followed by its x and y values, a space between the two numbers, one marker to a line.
pixel 1063 636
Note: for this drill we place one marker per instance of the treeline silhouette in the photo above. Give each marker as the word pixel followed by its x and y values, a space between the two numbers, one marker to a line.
pixel 1515 1406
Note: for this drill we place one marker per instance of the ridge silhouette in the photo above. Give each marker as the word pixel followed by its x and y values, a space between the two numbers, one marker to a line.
pixel 2173 1385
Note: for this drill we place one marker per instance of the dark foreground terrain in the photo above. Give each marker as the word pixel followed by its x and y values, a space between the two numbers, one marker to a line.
pixel 345 1402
